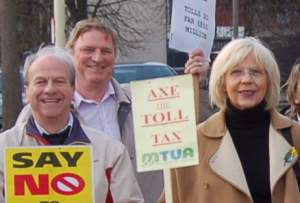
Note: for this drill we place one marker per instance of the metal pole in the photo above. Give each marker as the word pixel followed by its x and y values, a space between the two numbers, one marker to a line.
pixel 59 23
pixel 235 18
pixel 167 21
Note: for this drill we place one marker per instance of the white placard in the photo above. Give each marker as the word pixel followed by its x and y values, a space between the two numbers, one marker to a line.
pixel 164 123
pixel 193 25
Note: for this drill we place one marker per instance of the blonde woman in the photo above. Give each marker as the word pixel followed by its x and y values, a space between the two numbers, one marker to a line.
pixel 243 156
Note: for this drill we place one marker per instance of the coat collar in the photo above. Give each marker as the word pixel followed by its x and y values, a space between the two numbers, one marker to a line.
pixel 226 163
pixel 122 92
pixel 76 136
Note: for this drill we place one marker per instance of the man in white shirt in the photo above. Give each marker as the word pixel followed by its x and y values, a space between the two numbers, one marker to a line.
pixel 100 101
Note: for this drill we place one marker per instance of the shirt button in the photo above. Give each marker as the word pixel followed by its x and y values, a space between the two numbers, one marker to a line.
pixel 205 185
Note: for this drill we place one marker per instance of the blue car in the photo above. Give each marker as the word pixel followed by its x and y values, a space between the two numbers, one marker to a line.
pixel 125 73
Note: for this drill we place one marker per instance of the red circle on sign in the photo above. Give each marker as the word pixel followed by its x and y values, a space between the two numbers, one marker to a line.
pixel 67 184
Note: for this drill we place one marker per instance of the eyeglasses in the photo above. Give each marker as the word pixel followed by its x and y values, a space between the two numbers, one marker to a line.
pixel 253 72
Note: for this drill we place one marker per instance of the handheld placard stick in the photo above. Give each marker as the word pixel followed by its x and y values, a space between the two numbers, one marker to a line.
pixel 196 85
pixel 168 186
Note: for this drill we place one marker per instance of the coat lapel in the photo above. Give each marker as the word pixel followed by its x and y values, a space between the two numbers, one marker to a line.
pixel 281 156
pixel 226 163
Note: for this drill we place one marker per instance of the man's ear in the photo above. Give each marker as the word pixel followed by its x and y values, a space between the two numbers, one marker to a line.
pixel 296 101
pixel 26 91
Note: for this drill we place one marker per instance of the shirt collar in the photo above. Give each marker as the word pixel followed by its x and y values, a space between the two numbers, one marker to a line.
pixel 78 98
pixel 43 131
pixel 76 136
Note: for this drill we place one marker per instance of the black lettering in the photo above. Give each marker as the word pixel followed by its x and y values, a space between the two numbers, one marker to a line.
pixel 48 158
pixel 20 157
pixel 188 19
pixel 72 161
pixel 195 32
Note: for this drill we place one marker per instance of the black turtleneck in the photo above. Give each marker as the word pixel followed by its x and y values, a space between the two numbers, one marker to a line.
pixel 250 133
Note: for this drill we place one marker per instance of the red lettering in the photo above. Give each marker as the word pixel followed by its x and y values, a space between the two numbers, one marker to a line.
pixel 173 90
pixel 152 95
pixel 156 138
pixel 167 138
pixel 177 136
pixel 163 93
pixel 160 118
pixel 41 189
pixel 180 115
pixel 64 183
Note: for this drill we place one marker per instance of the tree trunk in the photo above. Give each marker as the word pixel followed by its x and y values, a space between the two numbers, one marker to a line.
pixel 77 9
pixel 11 87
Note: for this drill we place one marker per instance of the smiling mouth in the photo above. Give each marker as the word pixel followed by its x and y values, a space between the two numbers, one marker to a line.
pixel 97 67
pixel 51 101
pixel 247 92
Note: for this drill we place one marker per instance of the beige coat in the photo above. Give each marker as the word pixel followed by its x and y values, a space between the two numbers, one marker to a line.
pixel 107 154
pixel 220 178
pixel 151 183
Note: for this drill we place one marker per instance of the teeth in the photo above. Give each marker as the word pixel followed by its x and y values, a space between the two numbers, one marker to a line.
pixel 247 92
pixel 97 67
pixel 50 100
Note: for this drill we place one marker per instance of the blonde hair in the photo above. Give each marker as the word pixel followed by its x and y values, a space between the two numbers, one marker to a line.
pixel 292 84
pixel 234 53
pixel 87 25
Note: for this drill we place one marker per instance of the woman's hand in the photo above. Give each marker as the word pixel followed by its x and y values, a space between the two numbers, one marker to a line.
pixel 197 64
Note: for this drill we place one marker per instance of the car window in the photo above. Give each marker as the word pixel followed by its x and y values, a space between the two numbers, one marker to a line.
pixel 123 75
pixel 127 73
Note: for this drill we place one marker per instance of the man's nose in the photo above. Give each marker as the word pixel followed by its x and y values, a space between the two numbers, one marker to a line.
pixel 97 55
pixel 50 87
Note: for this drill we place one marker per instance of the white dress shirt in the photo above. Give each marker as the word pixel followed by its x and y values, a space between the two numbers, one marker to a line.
pixel 43 131
pixel 100 115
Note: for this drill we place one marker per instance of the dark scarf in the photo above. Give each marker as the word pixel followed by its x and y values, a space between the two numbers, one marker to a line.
pixel 77 135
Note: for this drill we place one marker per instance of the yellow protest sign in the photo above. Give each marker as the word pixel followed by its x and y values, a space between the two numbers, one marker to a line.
pixel 164 123
pixel 48 174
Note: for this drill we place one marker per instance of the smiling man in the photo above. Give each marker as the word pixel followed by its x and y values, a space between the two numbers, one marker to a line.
pixel 49 88
pixel 100 100
pixel 49 91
